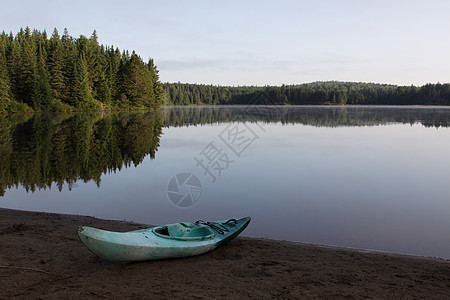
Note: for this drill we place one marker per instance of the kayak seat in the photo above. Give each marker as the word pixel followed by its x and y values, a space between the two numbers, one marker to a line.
pixel 184 232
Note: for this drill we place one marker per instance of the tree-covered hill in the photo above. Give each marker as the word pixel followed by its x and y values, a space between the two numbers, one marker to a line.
pixel 332 92
pixel 62 73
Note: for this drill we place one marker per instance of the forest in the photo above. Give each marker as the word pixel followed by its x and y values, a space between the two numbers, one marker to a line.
pixel 332 93
pixel 62 73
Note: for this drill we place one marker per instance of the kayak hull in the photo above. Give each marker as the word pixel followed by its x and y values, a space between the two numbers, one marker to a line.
pixel 148 244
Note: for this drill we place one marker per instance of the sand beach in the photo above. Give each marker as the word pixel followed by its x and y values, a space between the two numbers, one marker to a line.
pixel 42 257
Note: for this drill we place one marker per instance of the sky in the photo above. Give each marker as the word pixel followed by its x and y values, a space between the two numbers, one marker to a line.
pixel 260 42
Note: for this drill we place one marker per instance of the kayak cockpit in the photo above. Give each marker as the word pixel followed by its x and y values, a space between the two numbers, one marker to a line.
pixel 184 231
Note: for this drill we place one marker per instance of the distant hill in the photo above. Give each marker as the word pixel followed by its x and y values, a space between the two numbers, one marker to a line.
pixel 331 92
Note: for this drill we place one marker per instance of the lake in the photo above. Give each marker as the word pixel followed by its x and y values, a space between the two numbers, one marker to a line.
pixel 355 176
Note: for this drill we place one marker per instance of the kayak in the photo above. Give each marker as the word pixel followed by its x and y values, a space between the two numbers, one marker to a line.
pixel 161 242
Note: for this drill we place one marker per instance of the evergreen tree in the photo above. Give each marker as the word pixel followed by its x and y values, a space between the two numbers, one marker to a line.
pixel 5 87
pixel 42 92
pixel 28 68
pixel 103 91
pixel 114 59
pixel 82 97
pixel 70 57
pixel 136 82
pixel 56 66
pixel 158 91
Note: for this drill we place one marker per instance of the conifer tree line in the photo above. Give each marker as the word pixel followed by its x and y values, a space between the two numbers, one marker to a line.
pixel 62 73
pixel 332 92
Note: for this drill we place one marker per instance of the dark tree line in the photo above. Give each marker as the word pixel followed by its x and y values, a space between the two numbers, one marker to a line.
pixel 337 93
pixel 61 73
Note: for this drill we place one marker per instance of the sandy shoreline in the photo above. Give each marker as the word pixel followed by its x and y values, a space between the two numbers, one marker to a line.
pixel 41 257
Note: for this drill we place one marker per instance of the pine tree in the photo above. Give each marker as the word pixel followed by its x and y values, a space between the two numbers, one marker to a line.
pixel 42 92
pixel 56 66
pixel 97 67
pixel 82 92
pixel 136 82
pixel 158 91
pixel 15 67
pixel 112 73
pixel 70 56
pixel 103 91
pixel 5 87
pixel 28 68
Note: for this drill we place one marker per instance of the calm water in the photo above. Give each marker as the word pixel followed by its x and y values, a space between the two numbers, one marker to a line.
pixel 364 177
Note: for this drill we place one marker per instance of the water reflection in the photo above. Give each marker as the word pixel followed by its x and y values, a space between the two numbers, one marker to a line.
pixel 44 149
pixel 39 150
pixel 318 116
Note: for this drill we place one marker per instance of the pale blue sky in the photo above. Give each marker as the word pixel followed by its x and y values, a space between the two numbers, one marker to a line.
pixel 261 42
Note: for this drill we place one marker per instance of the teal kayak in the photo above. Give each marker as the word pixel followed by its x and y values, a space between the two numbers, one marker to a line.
pixel 161 242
